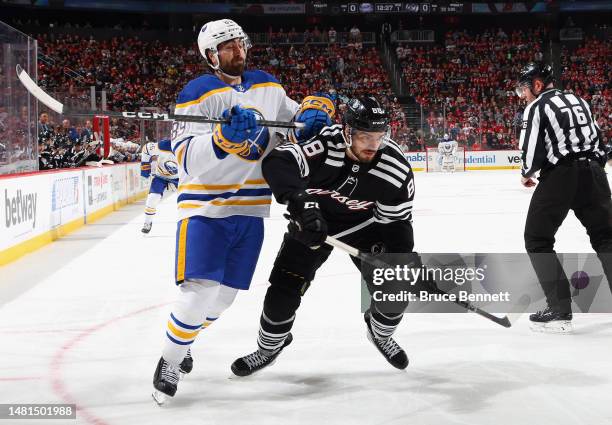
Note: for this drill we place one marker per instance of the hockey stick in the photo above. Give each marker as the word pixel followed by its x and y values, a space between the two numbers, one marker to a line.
pixel 370 259
pixel 60 108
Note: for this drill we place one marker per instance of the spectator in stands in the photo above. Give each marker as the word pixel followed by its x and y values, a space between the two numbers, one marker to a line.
pixel 354 34
pixel 401 52
pixel 591 60
pixel 340 65
pixel 385 32
pixel 331 35
pixel 472 73
pixel 355 38
pixel 469 79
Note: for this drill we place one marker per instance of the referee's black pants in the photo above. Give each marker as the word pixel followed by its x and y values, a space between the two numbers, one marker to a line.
pixel 582 186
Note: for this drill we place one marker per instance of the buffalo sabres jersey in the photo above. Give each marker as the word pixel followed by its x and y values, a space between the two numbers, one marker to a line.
pixel 213 183
pixel 352 195
pixel 166 166
pixel 447 147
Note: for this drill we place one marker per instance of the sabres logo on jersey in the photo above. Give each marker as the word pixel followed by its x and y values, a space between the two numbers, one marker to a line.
pixel 171 167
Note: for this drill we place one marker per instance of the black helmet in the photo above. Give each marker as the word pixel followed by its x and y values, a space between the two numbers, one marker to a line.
pixel 533 70
pixel 366 113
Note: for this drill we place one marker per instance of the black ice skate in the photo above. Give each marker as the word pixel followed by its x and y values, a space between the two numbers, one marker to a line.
pixel 387 346
pixel 146 228
pixel 165 381
pixel 186 365
pixel 251 363
pixel 551 321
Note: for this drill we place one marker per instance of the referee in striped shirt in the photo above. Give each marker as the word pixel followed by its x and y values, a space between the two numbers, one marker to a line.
pixel 561 139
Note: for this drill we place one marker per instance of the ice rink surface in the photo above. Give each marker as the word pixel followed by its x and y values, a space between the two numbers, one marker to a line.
pixel 82 321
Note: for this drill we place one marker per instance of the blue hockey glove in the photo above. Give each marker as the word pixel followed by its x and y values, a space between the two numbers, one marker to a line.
pixel 231 137
pixel 315 112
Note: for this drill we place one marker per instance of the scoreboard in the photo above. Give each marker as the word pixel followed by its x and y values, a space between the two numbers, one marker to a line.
pixel 390 7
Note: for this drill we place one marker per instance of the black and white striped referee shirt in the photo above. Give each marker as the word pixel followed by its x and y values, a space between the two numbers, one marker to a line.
pixel 555 125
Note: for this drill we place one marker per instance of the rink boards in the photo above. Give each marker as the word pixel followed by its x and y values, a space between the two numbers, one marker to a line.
pixel 37 208
pixel 474 160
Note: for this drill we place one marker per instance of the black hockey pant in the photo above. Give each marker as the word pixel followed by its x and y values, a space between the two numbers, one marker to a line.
pixel 582 186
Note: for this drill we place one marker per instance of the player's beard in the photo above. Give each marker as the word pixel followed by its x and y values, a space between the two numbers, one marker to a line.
pixel 364 155
pixel 235 67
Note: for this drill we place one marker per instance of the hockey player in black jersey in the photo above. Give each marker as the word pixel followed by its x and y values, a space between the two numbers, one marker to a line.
pixel 350 182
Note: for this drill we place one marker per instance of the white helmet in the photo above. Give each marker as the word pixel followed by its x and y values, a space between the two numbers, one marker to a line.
pixel 214 33
pixel 445 136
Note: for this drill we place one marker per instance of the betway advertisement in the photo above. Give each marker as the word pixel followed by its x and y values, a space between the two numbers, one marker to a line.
pixel 24 209
pixel 35 204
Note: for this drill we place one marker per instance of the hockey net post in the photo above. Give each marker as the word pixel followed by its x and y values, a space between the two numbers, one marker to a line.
pixel 434 159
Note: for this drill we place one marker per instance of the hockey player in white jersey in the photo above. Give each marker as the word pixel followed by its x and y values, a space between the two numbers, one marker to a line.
pixel 222 196
pixel 447 149
pixel 165 176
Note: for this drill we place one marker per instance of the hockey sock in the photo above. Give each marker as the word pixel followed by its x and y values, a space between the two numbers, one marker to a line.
pixel 272 334
pixel 382 325
pixel 188 317
pixel 151 206
pixel 278 315
pixel 225 298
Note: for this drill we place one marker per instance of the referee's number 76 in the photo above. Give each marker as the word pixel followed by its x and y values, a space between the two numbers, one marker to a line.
pixel 577 112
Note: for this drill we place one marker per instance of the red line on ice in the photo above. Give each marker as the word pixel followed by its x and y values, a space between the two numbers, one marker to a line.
pixel 57 382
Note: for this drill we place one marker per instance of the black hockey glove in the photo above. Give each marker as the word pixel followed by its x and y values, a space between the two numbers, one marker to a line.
pixel 306 223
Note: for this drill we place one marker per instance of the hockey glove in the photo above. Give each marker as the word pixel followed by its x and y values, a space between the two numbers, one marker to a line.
pixel 306 222
pixel 315 113
pixel 231 137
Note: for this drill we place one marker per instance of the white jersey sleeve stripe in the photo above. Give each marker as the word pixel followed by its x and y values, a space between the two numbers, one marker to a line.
pixel 386 177
pixel 395 162
pixel 333 163
pixel 299 157
pixel 335 154
pixel 392 170
pixel 393 208
pixel 395 147
pixel 394 215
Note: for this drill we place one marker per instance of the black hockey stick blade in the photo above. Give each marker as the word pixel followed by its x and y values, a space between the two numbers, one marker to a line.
pixel 370 259
pixel 55 105
pixel 517 310
pixel 503 321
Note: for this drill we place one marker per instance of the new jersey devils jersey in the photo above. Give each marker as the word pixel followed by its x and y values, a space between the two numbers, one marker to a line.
pixel 352 195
